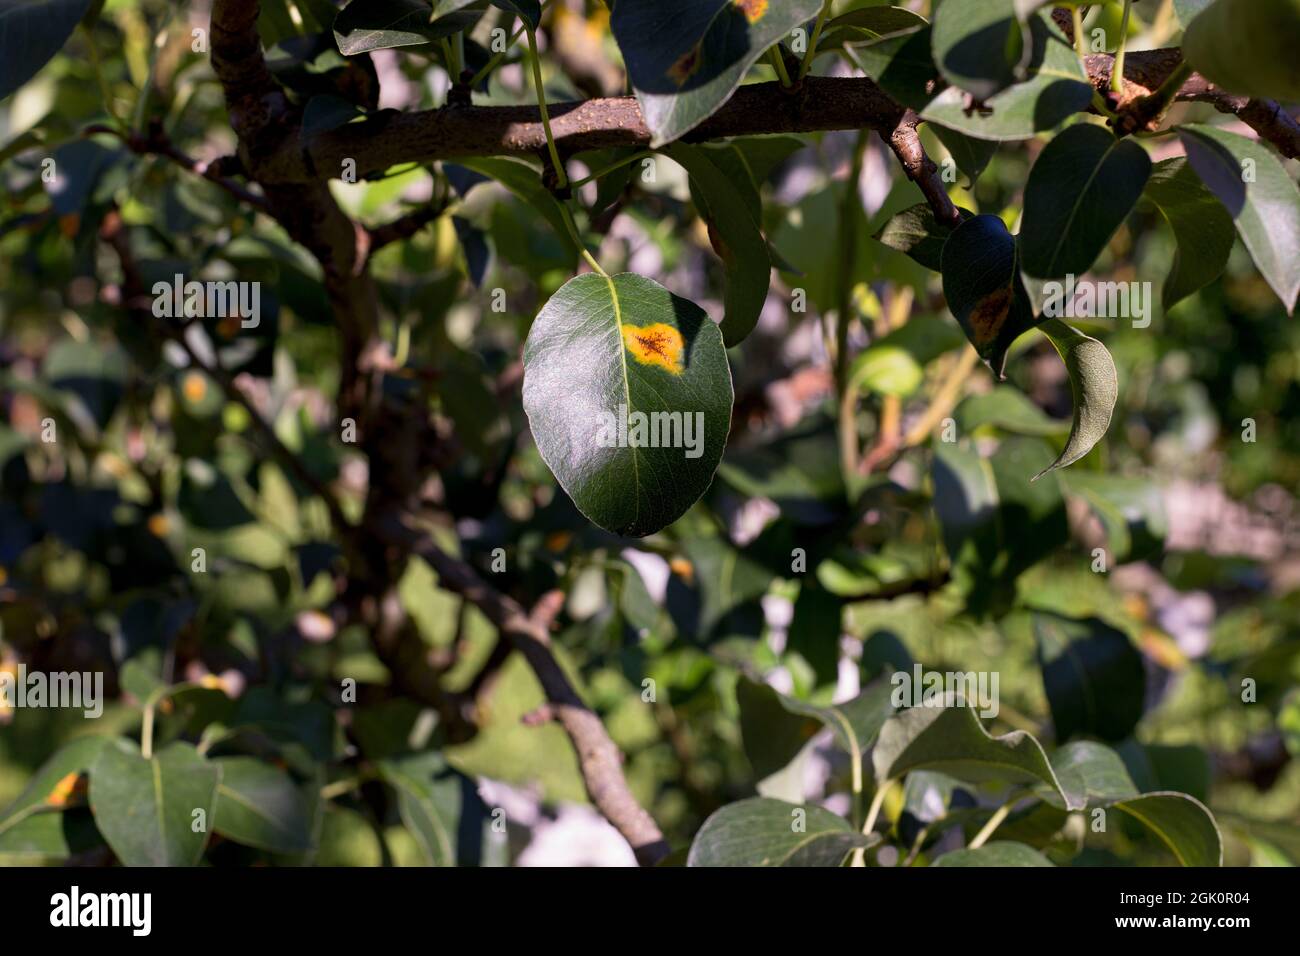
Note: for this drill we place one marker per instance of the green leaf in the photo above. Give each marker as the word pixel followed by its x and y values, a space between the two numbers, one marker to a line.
pixel 915 232
pixel 1008 410
pixel 951 740
pixel 1260 196
pixel 366 25
pixel 259 805
pixel 1202 228
pixel 867 24
pixel 764 832
pixel 431 798
pixel 614 365
pixel 997 853
pixel 970 154
pixel 727 578
pixel 1248 47
pixel 981 281
pixel 901 64
pixel 75 757
pixel 1093 675
pixel 525 182
pixel 1091 773
pixel 1082 187
pixel 1131 510
pixel 1095 385
pixel 736 236
pixel 686 57
pixel 775 727
pixel 1055 88
pixel 977 44
pixel 1182 823
pixel 894 364
pixel 145 807
pixel 31 32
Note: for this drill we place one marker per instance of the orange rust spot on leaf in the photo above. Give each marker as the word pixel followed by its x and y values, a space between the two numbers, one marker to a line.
pixel 988 315
pixel 683 569
pixel 63 790
pixel 752 9
pixel 657 344
pixel 686 64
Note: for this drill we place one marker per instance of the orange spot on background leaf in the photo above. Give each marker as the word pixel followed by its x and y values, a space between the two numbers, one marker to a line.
pixel 657 344
pixel 753 10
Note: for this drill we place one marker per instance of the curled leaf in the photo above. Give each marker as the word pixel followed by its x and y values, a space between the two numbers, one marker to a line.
pixel 1095 385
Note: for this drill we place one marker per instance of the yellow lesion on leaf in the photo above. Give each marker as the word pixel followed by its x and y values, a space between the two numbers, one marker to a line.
pixel 657 344
pixel 64 790
pixel 754 10
pixel 989 314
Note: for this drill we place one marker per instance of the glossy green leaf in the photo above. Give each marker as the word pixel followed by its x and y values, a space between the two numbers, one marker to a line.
pixel 981 281
pixel 997 853
pixel 366 25
pixel 977 44
pixel 1055 88
pixel 145 807
pixel 1094 383
pixel 1247 46
pixel 736 236
pixel 1182 823
pixel 1202 228
pixel 686 57
pixel 1081 189
pixel 1093 676
pixel 952 740
pixel 775 727
pixel 916 233
pixel 635 439
pixel 1091 773
pixel 971 155
pixel 765 832
pixel 1261 197
pixel 259 805
pixel 31 32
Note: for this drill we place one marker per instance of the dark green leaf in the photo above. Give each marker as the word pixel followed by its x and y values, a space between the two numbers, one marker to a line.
pixel 1202 228
pixel 432 800
pixel 1182 823
pixel 981 281
pixel 977 44
pixel 365 25
pixel 1093 676
pixel 736 236
pixel 1080 191
pixel 259 805
pixel 643 352
pixel 970 154
pixel 916 233
pixel 764 832
pixel 866 24
pixel 525 182
pixel 31 32
pixel 530 11
pixel 1260 196
pixel 1094 384
pixel 1091 773
pixel 951 740
pixel 686 57
pixel 145 807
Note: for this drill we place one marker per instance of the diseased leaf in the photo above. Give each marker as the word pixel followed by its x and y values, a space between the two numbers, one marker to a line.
pixel 1202 228
pixel 1094 383
pixel 1260 196
pixel 1247 46
pixel 259 805
pixel 1093 676
pixel 981 281
pixel 31 32
pixel 952 740
pixel 916 232
pixel 765 832
pixel 51 785
pixel 686 57
pixel 145 806
pixel 997 853
pixel 737 238
pixel 1081 189
pixel 635 439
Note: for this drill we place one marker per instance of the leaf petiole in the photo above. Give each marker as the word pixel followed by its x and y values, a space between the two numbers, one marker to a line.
pixel 560 177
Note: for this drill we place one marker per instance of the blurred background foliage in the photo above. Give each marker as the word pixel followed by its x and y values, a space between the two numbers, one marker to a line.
pixel 1200 529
